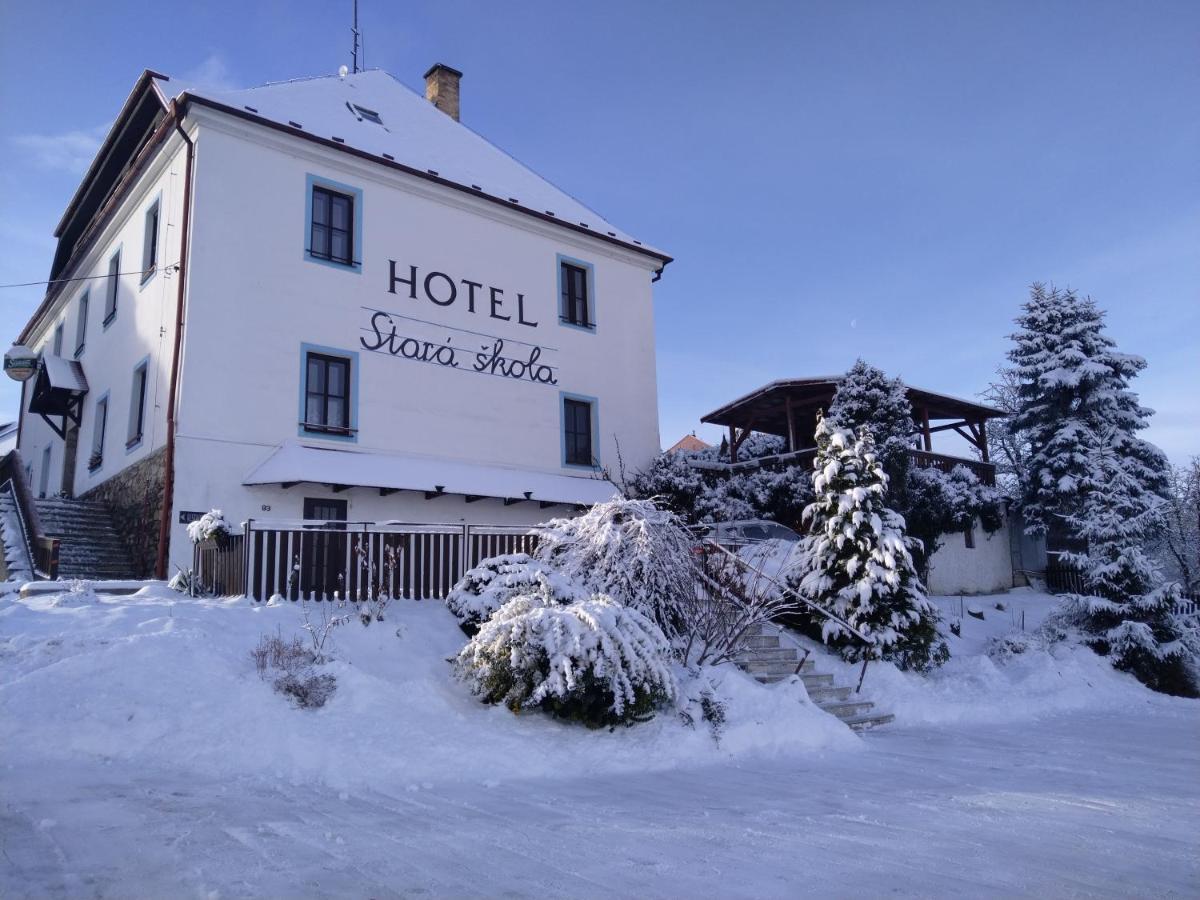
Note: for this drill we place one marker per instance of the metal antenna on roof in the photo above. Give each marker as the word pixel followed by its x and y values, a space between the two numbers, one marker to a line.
pixel 354 31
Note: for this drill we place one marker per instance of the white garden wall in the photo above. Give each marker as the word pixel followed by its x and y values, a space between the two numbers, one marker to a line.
pixel 985 568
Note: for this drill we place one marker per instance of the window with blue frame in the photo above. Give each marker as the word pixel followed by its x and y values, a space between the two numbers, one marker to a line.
pixel 150 243
pixel 578 418
pixel 99 427
pixel 110 287
pixel 575 286
pixel 334 224
pixel 328 394
pixel 137 405
pixel 81 325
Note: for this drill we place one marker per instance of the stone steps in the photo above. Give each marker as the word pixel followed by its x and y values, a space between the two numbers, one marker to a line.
pixel 89 546
pixel 770 662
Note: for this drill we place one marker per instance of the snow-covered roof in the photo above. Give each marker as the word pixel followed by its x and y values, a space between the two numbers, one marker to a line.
pixel 411 133
pixel 296 463
pixel 766 406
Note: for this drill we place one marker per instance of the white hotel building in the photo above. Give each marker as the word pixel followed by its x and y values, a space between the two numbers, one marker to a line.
pixel 325 299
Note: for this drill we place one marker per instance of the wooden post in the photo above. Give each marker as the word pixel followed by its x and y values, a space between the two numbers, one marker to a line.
pixel 983 443
pixel 791 423
pixel 733 445
pixel 926 435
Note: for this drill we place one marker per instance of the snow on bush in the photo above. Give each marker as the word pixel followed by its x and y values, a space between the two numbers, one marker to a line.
pixel 495 581
pixel 855 562
pixel 686 483
pixel 632 551
pixel 592 661
pixel 78 592
pixel 291 667
pixel 209 527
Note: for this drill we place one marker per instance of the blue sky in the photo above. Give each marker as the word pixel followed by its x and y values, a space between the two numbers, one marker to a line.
pixel 834 179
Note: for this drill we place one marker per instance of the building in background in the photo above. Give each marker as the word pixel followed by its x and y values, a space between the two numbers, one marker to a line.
pixel 970 562
pixel 689 443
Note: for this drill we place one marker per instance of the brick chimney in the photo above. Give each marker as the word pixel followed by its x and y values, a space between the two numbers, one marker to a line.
pixel 441 88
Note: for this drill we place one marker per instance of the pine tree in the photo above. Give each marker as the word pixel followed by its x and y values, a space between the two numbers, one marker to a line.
pixel 1127 612
pixel 1074 386
pixel 931 502
pixel 856 560
pixel 865 396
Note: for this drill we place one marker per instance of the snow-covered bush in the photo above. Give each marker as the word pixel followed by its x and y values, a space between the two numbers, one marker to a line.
pixel 291 667
pixel 496 580
pixel 374 594
pixel 855 562
pixel 938 503
pixel 592 661
pixel 212 526
pixel 186 581
pixel 774 491
pixel 78 592
pixel 630 550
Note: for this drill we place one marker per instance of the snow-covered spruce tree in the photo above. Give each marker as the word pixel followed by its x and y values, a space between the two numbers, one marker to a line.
pixel 1074 385
pixel 631 550
pixel 931 502
pixel 856 560
pixel 866 397
pixel 1127 613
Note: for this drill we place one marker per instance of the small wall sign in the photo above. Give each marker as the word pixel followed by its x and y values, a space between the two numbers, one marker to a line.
pixel 188 516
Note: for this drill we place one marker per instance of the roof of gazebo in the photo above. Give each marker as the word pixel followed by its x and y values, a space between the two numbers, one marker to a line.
pixel 765 409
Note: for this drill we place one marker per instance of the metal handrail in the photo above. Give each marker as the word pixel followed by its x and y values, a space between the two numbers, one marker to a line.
pixel 25 538
pixel 865 638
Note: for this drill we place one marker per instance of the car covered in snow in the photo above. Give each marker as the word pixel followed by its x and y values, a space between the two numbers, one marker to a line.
pixel 747 531
pixel 766 547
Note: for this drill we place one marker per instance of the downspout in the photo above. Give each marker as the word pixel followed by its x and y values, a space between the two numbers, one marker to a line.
pixel 164 524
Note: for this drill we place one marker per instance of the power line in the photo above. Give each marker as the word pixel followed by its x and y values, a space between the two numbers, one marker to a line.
pixel 174 267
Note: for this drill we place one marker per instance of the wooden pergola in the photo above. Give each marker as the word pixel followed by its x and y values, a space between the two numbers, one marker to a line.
pixel 789 409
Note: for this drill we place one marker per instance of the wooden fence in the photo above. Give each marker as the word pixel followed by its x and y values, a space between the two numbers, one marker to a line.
pixel 352 560
pixel 1062 578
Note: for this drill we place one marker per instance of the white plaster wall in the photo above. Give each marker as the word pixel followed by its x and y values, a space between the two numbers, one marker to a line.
pixel 144 326
pixel 253 300
pixel 986 568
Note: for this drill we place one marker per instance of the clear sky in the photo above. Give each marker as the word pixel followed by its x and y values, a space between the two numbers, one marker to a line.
pixel 834 179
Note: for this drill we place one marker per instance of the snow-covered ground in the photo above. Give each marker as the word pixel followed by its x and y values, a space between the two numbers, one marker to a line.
pixel 142 755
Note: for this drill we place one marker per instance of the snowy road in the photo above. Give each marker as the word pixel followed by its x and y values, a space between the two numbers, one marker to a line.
pixel 1086 804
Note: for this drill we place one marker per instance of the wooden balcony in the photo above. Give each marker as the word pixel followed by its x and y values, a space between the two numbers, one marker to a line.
pixel 984 471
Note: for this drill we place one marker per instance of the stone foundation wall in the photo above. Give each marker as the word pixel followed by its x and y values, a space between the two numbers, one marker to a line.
pixel 135 497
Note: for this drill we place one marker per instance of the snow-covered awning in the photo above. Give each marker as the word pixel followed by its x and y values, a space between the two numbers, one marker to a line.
pixel 58 391
pixel 64 374
pixel 294 463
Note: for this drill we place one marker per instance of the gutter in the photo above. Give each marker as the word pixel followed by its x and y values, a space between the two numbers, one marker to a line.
pixel 164 523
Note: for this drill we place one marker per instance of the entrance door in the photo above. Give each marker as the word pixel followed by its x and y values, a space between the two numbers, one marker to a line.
pixel 69 448
pixel 324 549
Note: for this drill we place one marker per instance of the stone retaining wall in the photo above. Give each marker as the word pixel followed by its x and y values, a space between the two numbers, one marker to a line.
pixel 134 496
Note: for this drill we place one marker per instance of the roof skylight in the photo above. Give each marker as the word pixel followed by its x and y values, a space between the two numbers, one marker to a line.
pixel 361 112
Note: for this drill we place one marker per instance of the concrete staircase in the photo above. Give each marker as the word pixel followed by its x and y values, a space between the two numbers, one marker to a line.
pixel 770 661
pixel 90 547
